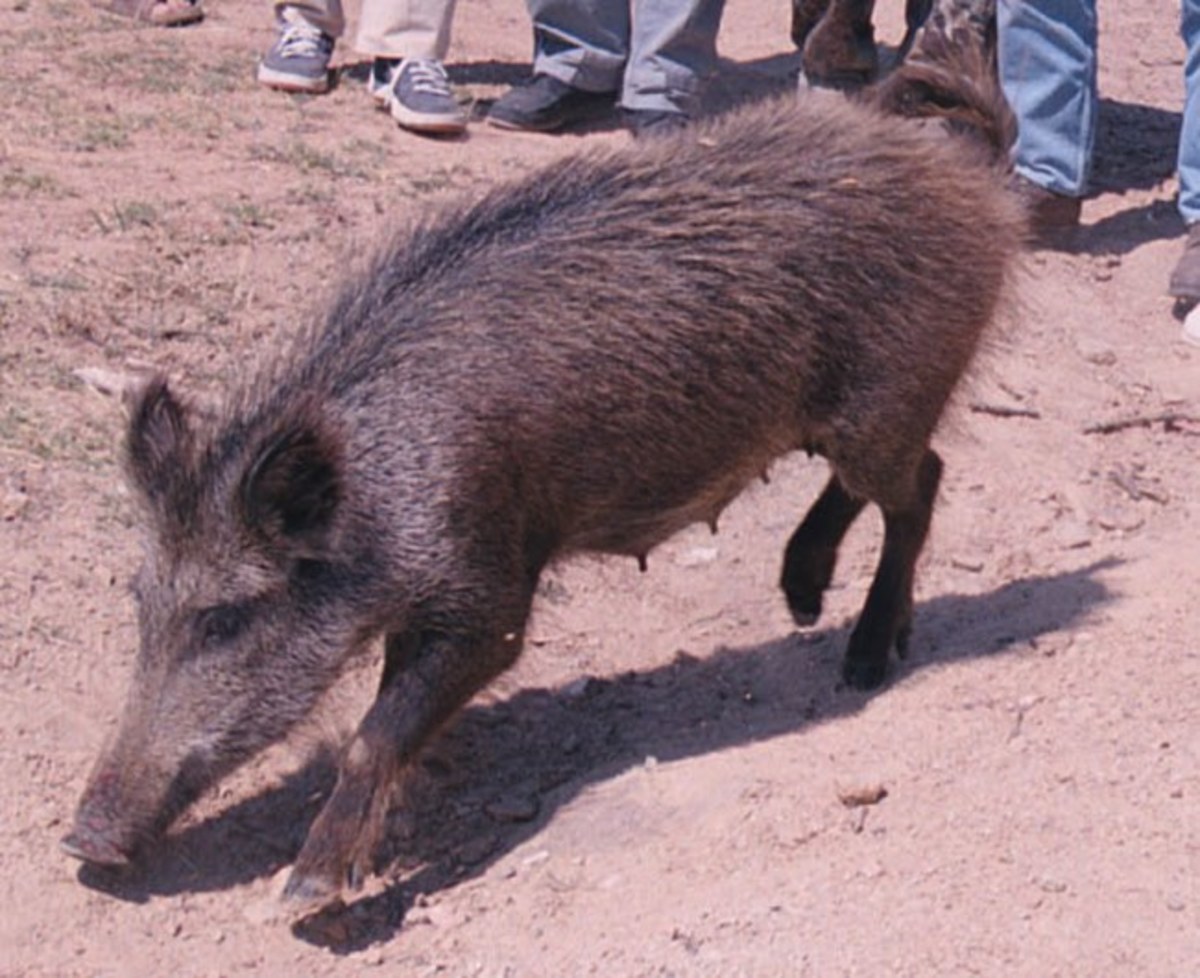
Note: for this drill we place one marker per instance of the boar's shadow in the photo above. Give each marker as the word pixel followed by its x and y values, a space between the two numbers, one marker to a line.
pixel 496 777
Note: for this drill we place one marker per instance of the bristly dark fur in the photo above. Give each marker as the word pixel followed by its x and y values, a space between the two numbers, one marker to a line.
pixel 588 359
pixel 952 80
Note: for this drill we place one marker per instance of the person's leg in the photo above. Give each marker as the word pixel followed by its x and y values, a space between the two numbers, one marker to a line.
pixel 298 59
pixel 399 29
pixel 579 52
pixel 1185 279
pixel 1189 138
pixel 673 51
pixel 325 15
pixel 1047 62
pixel 582 43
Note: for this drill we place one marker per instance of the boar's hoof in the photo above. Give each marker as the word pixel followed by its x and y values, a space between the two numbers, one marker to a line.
pixel 306 894
pixel 864 674
pixel 804 619
pixel 805 608
pixel 92 848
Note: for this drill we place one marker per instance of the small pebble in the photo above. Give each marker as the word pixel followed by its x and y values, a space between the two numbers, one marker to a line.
pixel 514 808
pixel 1096 352
pixel 576 688
pixel 1072 534
pixel 477 850
pixel 111 383
pixel 697 556
pixel 870 794
pixel 12 505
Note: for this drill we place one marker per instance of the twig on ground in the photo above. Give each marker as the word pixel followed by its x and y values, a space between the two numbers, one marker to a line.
pixel 1134 487
pixel 1170 420
pixel 1004 410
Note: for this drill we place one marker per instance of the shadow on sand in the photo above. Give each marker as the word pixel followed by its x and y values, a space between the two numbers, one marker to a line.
pixel 1136 149
pixel 544 747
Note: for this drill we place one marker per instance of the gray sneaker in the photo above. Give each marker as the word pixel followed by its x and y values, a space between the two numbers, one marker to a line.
pixel 298 61
pixel 419 97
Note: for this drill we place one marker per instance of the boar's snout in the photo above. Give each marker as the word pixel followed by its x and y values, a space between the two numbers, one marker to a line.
pixel 127 804
pixel 98 835
pixel 89 845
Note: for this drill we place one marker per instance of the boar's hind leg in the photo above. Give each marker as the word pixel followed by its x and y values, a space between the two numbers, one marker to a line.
pixel 886 618
pixel 812 551
pixel 426 678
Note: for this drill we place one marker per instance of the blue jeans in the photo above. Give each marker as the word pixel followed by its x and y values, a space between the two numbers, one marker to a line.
pixel 654 53
pixel 1047 58
pixel 1189 135
pixel 1046 51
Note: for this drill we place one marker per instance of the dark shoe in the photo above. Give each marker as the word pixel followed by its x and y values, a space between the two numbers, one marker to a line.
pixel 1185 279
pixel 653 123
pixel 545 104
pixel 1053 218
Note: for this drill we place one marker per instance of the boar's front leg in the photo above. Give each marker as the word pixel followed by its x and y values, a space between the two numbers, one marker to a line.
pixel 427 676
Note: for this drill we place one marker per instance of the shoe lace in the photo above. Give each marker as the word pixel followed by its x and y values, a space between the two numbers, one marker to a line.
pixel 427 76
pixel 300 39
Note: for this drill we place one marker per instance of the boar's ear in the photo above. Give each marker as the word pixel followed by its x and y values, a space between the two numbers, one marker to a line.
pixel 159 439
pixel 292 488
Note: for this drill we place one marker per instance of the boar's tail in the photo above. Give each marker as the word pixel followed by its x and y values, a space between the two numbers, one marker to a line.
pixel 950 76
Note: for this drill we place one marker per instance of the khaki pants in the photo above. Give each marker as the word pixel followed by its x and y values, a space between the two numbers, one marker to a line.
pixel 387 28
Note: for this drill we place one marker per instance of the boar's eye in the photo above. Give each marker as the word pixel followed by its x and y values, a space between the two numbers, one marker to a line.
pixel 222 623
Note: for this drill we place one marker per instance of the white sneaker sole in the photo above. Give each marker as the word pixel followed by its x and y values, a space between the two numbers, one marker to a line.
pixel 427 121
pixel 284 82
pixel 1191 327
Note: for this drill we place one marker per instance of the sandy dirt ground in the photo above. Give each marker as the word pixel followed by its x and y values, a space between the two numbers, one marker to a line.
pixel 666 783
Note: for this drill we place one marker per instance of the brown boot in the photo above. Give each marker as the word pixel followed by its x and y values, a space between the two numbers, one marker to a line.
pixel 1053 218
pixel 806 14
pixel 840 50
pixel 1185 280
